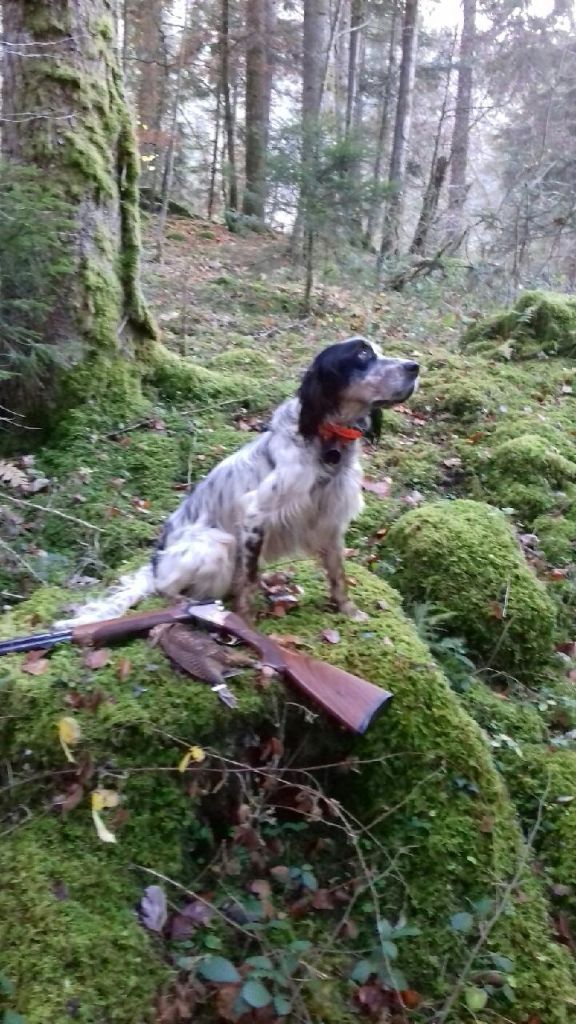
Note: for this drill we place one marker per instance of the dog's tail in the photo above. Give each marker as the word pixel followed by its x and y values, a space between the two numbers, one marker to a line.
pixel 131 589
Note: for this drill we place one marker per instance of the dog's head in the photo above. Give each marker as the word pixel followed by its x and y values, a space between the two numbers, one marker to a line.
pixel 350 381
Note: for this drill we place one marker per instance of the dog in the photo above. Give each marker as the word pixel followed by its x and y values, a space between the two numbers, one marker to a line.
pixel 293 490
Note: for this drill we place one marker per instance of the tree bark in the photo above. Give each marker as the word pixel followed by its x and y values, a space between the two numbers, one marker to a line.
pixel 171 151
pixel 315 47
pixel 356 17
pixel 383 130
pixel 258 85
pixel 229 120
pixel 402 125
pixel 148 46
pixel 67 115
pixel 429 205
pixel 458 186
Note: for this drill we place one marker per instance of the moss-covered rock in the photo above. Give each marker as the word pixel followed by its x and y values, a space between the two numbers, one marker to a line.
pixel 463 557
pixel 539 323
pixel 434 820
pixel 525 473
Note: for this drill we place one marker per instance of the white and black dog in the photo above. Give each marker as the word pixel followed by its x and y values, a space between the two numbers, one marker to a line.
pixel 293 490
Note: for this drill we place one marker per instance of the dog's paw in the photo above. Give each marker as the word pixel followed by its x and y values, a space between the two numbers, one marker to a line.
pixel 352 612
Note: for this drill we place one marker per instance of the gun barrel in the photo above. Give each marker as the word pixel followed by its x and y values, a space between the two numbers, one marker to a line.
pixel 36 642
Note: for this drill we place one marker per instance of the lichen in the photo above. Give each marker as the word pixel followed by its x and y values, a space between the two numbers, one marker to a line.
pixel 463 557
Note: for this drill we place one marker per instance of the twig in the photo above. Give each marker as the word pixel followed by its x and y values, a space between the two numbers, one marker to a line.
pixel 22 561
pixel 491 924
pixel 52 511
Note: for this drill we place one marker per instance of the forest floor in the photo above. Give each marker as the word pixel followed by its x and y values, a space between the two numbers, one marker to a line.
pixel 423 873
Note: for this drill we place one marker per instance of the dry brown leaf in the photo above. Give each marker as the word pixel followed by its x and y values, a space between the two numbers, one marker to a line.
pixel 35 663
pixel 381 488
pixel 124 669
pixel 97 659
pixel 331 636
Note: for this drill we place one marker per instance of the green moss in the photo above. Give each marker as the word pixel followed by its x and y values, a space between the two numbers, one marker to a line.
pixel 539 323
pixel 557 538
pixel 499 714
pixel 243 359
pixel 176 379
pixel 545 779
pixel 427 784
pixel 524 473
pixel 75 954
pixel 462 556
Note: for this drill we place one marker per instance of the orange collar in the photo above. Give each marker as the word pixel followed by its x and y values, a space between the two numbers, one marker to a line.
pixel 332 431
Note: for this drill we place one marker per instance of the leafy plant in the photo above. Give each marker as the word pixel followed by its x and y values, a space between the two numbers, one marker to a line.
pixel 449 651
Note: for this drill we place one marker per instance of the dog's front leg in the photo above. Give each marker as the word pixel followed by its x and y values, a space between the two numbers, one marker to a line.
pixel 247 565
pixel 332 559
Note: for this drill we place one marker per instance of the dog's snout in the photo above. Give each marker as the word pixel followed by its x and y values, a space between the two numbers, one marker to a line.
pixel 412 368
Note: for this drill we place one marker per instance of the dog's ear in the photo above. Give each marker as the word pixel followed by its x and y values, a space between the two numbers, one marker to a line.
pixel 316 402
pixel 373 432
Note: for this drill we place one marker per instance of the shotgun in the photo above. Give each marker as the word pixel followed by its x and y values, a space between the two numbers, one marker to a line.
pixel 352 701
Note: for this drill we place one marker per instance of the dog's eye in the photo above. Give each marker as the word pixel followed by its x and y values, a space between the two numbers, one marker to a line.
pixel 364 355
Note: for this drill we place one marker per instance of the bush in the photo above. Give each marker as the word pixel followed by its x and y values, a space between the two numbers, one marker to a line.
pixel 539 323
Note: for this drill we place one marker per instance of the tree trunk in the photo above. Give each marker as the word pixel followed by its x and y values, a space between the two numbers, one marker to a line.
pixel 402 125
pixel 214 163
pixel 438 168
pixel 258 84
pixel 429 205
pixel 82 140
pixel 171 151
pixel 383 130
pixel 148 47
pixel 458 187
pixel 356 16
pixel 229 121
pixel 315 48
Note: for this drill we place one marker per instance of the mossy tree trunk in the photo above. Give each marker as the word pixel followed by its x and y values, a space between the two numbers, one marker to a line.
pixel 66 114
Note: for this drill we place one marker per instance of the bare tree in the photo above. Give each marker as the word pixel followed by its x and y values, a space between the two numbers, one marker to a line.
pixel 458 185
pixel 229 116
pixel 402 126
pixel 316 41
pixel 383 127
pixel 173 127
pixel 259 21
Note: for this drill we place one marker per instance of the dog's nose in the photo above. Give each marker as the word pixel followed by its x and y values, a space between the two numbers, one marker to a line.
pixel 412 368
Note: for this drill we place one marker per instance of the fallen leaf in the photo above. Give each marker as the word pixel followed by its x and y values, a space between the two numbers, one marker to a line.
pixel 381 488
pixel 67 801
pixel 265 677
pixel 413 499
pixel 281 873
pixel 261 888
pixel 153 908
pixel 104 834
pixel 348 929
pixel 411 999
pixel 104 799
pixel 195 754
pixel 97 659
pixel 331 636
pixel 69 734
pixel 323 900
pixel 561 890
pixel 60 890
pixel 34 663
pixel 487 824
pixel 496 610
pixel 124 669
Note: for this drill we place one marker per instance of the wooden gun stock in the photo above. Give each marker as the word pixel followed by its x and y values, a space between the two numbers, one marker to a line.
pixel 349 699
pixel 352 701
